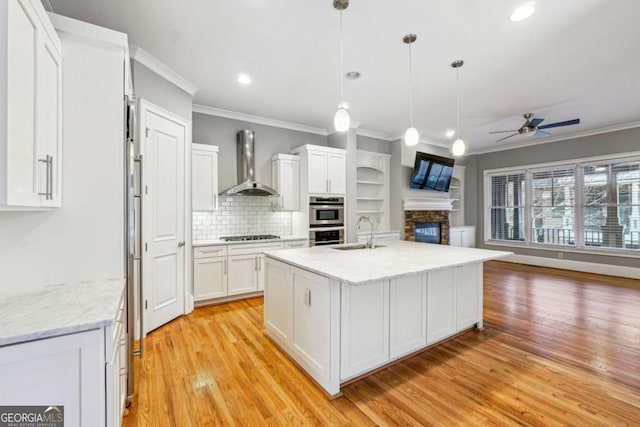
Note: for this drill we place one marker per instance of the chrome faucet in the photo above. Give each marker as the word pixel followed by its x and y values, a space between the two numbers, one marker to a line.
pixel 370 243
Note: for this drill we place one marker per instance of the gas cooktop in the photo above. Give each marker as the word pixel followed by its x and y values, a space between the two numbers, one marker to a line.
pixel 249 237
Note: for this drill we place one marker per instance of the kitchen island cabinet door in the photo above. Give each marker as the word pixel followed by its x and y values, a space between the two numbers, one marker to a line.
pixel 278 300
pixel 468 280
pixel 311 321
pixel 441 308
pixel 407 314
pixel 209 278
pixel 364 340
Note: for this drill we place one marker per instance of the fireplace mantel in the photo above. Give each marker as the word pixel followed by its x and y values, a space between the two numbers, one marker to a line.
pixel 427 204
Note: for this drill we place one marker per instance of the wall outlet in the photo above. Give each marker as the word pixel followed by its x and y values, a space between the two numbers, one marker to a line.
pixel 560 255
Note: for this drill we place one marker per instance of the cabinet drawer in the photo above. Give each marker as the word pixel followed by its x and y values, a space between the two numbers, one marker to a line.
pixel 253 248
pixel 209 251
pixel 296 244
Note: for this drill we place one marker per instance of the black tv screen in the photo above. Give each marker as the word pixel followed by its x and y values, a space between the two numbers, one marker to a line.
pixel 431 172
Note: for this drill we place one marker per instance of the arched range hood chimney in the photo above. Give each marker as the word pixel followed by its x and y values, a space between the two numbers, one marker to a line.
pixel 247 185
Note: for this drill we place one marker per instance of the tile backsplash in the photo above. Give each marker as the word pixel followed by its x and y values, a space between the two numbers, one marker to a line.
pixel 241 215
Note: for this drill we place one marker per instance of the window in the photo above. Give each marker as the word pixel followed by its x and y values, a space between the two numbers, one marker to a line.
pixel 589 204
pixel 611 210
pixel 507 207
pixel 553 206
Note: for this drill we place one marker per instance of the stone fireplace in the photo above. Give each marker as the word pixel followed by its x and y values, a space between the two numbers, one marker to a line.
pixel 412 217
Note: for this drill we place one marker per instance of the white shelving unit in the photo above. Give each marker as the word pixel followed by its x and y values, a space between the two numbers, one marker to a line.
pixel 456 194
pixel 372 179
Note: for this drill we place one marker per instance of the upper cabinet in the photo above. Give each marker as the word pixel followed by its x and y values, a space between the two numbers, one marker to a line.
pixel 324 168
pixel 285 179
pixel 204 172
pixel 31 108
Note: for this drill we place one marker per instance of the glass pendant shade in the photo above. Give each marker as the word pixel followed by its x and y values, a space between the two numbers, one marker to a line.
pixel 411 137
pixel 459 147
pixel 341 121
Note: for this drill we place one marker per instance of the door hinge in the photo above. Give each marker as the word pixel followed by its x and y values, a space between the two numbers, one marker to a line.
pixel 146 132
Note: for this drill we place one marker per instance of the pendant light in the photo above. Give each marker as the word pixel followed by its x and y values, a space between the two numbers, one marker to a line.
pixel 411 135
pixel 458 148
pixel 341 120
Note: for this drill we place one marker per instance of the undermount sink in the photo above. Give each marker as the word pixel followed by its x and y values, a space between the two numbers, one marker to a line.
pixel 353 247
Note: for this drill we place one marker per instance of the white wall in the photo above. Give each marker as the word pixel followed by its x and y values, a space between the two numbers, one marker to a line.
pixel 83 240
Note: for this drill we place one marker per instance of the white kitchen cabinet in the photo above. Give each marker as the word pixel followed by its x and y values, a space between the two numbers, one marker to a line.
pixel 311 317
pixel 243 274
pixel 462 236
pixel 364 339
pixel 31 94
pixel 116 369
pixel 285 179
pixel 68 370
pixel 278 301
pixel 407 314
pixel 209 277
pixel 441 305
pixel 204 181
pixel 324 169
pixel 468 280
pixel 221 271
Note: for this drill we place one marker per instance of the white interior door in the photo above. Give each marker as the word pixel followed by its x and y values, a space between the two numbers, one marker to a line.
pixel 164 218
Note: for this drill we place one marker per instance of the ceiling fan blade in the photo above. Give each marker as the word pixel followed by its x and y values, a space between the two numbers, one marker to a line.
pixel 535 122
pixel 504 131
pixel 507 137
pixel 557 125
pixel 541 133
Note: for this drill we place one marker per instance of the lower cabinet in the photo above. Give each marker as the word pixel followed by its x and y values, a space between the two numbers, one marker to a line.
pixel 243 274
pixel 364 339
pixel 311 320
pixel 297 314
pixel 468 279
pixel 85 372
pixel 463 236
pixel 407 314
pixel 209 278
pixel 221 271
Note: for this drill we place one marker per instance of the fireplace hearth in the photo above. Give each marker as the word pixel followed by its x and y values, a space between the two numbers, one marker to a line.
pixel 413 219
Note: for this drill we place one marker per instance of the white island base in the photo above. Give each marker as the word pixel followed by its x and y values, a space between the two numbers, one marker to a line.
pixel 342 314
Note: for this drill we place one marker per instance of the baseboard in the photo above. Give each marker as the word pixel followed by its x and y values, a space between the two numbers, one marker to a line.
pixel 565 264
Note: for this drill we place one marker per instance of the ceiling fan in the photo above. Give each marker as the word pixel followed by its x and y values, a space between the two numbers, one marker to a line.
pixel 532 127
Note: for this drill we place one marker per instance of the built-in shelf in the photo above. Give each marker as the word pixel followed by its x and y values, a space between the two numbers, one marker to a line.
pixel 454 187
pixel 372 179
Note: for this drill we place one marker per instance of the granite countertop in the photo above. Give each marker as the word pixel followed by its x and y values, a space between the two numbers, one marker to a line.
pixel 56 310
pixel 217 242
pixel 391 259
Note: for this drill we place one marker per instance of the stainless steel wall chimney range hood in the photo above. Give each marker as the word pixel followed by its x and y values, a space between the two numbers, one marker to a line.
pixel 247 185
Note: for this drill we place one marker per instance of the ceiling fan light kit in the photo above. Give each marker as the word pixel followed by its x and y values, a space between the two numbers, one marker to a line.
pixel 411 135
pixel 458 147
pixel 341 120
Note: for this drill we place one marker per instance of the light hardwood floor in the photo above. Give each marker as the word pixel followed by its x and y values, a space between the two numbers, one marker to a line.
pixel 558 348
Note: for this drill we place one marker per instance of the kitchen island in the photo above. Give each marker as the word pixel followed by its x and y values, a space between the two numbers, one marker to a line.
pixel 341 313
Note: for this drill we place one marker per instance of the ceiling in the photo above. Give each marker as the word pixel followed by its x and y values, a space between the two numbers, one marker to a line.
pixel 571 59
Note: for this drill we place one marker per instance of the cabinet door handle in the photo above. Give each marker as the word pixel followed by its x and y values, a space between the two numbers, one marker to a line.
pixel 180 244
pixel 48 192
pixel 307 297
pixel 329 186
pixel 326 184
pixel 225 266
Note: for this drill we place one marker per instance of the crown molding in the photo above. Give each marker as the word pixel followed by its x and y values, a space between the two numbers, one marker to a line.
pixel 219 112
pixel 375 135
pixel 145 58
pixel 606 129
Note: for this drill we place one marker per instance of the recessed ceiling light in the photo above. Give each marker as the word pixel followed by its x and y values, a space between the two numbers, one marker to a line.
pixel 352 75
pixel 244 79
pixel 450 133
pixel 523 12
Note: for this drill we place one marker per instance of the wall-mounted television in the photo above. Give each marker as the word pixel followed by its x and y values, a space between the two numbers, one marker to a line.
pixel 431 172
